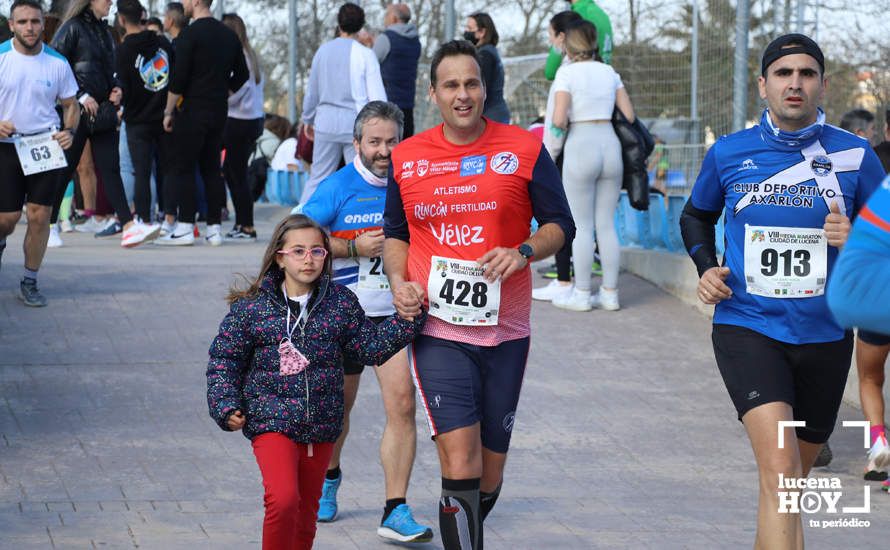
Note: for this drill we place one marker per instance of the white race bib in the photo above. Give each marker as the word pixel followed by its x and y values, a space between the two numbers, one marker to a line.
pixel 39 153
pixel 371 275
pixel 785 262
pixel 458 293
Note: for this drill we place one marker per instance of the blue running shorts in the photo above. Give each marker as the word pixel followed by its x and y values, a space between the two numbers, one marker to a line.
pixel 461 384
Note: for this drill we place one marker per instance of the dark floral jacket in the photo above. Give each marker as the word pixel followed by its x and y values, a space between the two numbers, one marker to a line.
pixel 243 372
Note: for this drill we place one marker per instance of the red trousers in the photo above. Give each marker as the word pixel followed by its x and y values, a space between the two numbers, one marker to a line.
pixel 292 481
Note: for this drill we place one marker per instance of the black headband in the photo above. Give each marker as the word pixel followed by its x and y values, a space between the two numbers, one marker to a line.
pixel 790 44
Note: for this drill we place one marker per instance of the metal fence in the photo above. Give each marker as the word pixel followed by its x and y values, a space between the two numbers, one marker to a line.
pixel 680 73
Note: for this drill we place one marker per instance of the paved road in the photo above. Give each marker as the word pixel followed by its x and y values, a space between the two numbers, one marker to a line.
pixel 625 437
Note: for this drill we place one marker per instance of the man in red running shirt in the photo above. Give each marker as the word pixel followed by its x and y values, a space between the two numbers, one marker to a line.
pixel 459 204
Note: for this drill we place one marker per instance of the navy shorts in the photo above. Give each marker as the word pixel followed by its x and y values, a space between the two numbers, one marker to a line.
pixel 810 377
pixel 873 338
pixel 462 384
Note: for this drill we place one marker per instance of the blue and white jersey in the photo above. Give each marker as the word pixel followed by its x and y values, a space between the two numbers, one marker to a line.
pixel 347 206
pixel 30 85
pixel 777 187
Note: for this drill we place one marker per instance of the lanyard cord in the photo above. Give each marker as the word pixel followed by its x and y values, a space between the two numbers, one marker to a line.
pixel 301 319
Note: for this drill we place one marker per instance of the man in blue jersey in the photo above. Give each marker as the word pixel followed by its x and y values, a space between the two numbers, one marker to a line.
pixel 859 295
pixel 350 204
pixel 789 187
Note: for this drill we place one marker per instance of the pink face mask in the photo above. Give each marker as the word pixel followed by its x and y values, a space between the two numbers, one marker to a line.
pixel 290 359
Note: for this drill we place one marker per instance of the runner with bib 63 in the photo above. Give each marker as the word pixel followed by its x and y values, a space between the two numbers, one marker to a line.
pixel 789 188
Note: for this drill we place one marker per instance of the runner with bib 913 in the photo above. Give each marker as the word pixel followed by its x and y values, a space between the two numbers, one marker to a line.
pixel 789 187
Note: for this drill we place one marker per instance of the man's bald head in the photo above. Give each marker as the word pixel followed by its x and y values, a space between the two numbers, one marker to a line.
pixel 397 13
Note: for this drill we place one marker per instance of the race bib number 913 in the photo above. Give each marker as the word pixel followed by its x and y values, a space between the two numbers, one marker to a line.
pixel 785 262
pixel 460 295
pixel 39 153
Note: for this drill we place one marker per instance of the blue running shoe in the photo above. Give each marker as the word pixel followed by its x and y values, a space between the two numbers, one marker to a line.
pixel 327 504
pixel 401 527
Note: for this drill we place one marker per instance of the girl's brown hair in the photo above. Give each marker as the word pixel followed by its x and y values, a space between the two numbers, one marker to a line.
pixel 276 243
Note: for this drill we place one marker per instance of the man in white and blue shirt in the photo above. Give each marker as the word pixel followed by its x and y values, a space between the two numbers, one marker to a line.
pixel 33 77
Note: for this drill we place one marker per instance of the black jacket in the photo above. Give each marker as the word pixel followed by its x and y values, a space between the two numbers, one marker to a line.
pixel 87 45
pixel 636 145
pixel 144 62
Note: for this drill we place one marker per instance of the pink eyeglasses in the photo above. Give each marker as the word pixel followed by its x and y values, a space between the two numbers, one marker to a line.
pixel 300 253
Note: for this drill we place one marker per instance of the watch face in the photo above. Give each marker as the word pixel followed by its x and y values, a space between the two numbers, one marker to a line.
pixel 526 250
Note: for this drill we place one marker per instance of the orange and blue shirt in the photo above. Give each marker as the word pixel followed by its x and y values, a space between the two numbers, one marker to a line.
pixel 460 201
pixel 347 206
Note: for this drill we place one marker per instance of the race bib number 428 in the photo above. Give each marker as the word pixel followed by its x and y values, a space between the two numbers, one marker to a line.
pixel 39 153
pixel 785 262
pixel 460 295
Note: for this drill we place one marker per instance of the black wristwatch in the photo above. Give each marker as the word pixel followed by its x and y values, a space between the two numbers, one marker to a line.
pixel 526 251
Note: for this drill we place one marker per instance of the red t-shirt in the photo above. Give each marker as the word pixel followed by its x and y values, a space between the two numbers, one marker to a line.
pixel 460 201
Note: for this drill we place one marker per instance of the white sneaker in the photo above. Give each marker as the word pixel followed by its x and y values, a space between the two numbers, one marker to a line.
pixel 139 233
pixel 67 226
pixel 55 240
pixel 214 236
pixel 93 225
pixel 181 235
pixel 167 228
pixel 879 454
pixel 605 299
pixel 552 291
pixel 577 300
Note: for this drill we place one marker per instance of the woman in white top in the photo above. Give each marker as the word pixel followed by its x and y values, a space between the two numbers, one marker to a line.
pixel 243 126
pixel 586 93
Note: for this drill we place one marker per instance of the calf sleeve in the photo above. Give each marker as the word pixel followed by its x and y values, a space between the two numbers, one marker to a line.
pixel 487 500
pixel 459 519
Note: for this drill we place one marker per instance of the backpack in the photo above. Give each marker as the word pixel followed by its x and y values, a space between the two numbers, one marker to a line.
pixel 257 173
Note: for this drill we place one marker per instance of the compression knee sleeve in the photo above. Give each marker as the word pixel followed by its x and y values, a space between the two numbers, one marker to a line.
pixel 487 500
pixel 459 519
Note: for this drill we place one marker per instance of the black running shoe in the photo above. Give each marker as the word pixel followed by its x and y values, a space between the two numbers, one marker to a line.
pixel 112 229
pixel 239 234
pixel 30 294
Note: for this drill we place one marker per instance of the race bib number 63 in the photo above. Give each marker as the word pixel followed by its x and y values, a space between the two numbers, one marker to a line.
pixel 39 153
pixel 785 262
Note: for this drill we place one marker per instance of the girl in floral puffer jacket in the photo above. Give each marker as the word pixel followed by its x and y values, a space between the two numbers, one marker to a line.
pixel 276 372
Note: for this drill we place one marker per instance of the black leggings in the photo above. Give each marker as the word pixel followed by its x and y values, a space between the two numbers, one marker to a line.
pixel 197 140
pixel 239 141
pixel 107 161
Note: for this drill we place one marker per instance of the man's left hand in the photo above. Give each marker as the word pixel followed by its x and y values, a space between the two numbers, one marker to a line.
pixel 501 263
pixel 837 226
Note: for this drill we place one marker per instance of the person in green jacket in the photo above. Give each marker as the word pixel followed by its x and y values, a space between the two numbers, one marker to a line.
pixel 589 11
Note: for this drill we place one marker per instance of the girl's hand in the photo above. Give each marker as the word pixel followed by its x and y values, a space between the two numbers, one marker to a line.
pixel 236 421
